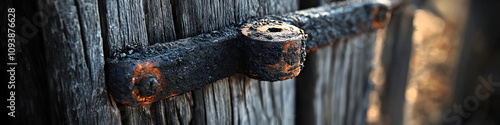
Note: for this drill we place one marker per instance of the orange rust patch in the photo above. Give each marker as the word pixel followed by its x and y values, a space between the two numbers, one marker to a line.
pixel 320 47
pixel 331 43
pixel 171 95
pixel 251 73
pixel 286 46
pixel 143 100
pixel 312 49
pixel 145 69
pixel 285 68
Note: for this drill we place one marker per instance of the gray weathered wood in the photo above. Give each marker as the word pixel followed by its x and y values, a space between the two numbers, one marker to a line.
pixel 123 24
pixel 159 21
pixel 75 64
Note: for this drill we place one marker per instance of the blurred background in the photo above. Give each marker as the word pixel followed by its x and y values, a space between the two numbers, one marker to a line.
pixel 452 73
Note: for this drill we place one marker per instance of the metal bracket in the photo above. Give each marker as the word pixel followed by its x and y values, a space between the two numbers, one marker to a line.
pixel 270 48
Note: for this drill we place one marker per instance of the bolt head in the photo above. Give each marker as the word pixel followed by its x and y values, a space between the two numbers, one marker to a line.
pixel 148 86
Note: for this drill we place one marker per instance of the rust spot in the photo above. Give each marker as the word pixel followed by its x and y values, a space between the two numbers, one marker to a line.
pixel 142 73
pixel 324 46
pixel 283 67
pixel 286 46
pixel 124 102
pixel 143 100
pixel 312 49
pixel 143 69
pixel 250 72
pixel 171 95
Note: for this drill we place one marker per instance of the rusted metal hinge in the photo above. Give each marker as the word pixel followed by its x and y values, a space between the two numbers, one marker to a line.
pixel 270 48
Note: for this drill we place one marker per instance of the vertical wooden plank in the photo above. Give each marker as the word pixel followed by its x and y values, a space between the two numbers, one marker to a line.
pixel 360 84
pixel 260 102
pixel 315 87
pixel 239 109
pixel 99 100
pixel 124 24
pixel 351 80
pixel 218 103
pixel 193 17
pixel 75 64
pixel 159 21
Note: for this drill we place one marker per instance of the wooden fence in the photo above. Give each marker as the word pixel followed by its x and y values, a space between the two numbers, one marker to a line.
pixel 62 47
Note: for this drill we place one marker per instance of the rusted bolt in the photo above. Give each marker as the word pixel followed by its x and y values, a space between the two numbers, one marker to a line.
pixel 274 50
pixel 147 86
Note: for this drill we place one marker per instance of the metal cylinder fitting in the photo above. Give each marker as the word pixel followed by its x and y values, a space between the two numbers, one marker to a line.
pixel 273 50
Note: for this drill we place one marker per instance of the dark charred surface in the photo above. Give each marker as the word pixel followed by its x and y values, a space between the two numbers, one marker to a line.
pixel 334 22
pixel 176 67
pixel 270 48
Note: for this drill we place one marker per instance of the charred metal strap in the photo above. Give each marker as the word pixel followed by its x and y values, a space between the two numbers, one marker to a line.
pixel 335 22
pixel 270 48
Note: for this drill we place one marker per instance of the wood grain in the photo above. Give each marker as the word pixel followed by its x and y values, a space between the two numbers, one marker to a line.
pixel 75 64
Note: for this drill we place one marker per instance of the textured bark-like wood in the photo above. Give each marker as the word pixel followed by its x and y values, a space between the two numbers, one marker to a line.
pixel 123 24
pixel 159 21
pixel 75 64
